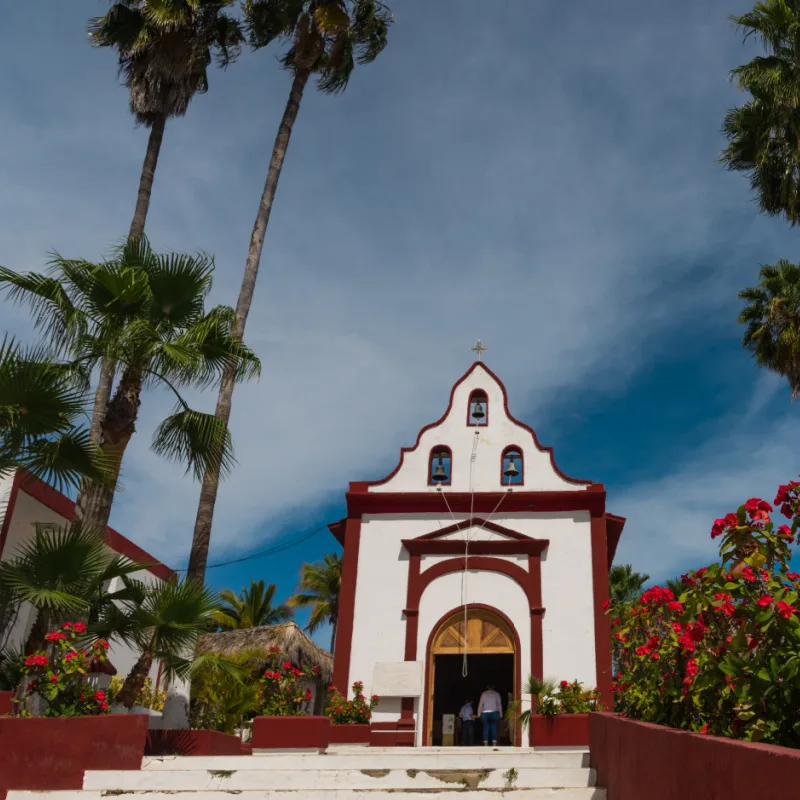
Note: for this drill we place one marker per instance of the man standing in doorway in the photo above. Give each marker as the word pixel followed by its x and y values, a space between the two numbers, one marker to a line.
pixel 490 709
pixel 467 714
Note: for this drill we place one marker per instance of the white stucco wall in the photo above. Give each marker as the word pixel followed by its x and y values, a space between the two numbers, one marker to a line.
pixel 27 513
pixel 492 440
pixel 567 594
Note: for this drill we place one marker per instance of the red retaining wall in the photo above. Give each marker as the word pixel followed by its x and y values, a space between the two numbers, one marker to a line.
pixel 52 753
pixel 6 706
pixel 635 760
pixel 349 734
pixel 290 733
pixel 192 743
pixel 562 730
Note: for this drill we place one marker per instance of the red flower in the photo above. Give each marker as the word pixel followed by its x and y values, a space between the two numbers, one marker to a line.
pixel 691 667
pixel 79 627
pixel 785 610
pixel 748 574
pixel 52 637
pixel 564 683
pixel 764 600
pixel 36 661
pixel 104 705
pixel 606 605
pixel 66 626
pixel 308 694
pixel 793 576
pixel 675 606
pixel 287 664
pixel 54 679
pixel 100 643
pixel 704 729
pixel 99 696
pixel 70 656
pixel 723 524
pixel 785 532
pixel 758 509
pixel 726 606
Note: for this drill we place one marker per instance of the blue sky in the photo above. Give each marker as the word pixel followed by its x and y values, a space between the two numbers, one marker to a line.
pixel 542 175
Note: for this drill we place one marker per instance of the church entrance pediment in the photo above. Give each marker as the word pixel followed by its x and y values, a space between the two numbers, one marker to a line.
pixel 484 537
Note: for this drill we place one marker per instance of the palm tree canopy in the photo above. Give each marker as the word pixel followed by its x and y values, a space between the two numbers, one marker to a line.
pixel 319 589
pixel 165 48
pixel 328 37
pixel 764 133
pixel 771 318
pixel 625 584
pixel 41 403
pixel 251 608
pixel 145 311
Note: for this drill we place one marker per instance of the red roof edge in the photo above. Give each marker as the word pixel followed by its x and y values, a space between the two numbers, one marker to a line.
pixel 337 529
pixel 614 526
pixel 63 506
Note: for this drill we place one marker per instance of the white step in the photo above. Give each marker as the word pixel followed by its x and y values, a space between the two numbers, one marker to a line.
pixel 587 793
pixel 210 780
pixel 368 758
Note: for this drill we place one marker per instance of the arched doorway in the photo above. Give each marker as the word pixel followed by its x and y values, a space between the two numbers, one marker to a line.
pixel 492 648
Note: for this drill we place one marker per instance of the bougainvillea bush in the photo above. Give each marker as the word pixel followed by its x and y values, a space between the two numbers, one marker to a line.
pixel 722 657
pixel 284 688
pixel 60 674
pixel 357 711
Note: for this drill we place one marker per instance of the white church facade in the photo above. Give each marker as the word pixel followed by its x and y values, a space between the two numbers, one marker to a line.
pixel 476 560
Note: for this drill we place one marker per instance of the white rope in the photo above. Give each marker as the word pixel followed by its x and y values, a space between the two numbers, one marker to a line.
pixel 465 573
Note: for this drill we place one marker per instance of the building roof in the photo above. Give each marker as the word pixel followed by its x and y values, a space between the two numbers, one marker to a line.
pixel 29 484
pixel 294 644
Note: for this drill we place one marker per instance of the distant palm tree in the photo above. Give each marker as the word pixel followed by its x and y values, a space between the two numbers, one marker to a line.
pixel 319 589
pixel 327 38
pixel 251 608
pixel 625 584
pixel 764 133
pixel 772 321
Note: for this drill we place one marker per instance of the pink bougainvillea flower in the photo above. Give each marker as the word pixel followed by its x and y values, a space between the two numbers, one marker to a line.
pixel 793 576
pixel 758 509
pixel 675 606
pixel 66 626
pixel 785 532
pixel 748 574
pixel 54 679
pixel 704 729
pixel 606 604
pixel 784 609
pixel 725 606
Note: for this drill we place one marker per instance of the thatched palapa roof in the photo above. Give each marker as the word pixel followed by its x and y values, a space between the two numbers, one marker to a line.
pixel 294 644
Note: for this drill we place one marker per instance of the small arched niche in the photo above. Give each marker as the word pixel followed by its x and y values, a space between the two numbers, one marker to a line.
pixel 440 466
pixel 478 409
pixel 512 466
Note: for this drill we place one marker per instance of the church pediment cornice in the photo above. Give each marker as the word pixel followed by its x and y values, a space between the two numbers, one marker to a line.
pixel 438 542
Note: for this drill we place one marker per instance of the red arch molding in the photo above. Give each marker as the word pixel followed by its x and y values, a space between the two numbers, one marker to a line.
pixel 530 581
pixel 517 665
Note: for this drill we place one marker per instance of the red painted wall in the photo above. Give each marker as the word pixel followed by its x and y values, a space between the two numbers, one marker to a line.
pixel 635 760
pixel 192 743
pixel 41 753
pixel 6 706
pixel 562 730
pixel 283 733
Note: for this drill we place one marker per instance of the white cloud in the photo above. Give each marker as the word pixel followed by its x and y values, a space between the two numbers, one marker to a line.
pixel 544 180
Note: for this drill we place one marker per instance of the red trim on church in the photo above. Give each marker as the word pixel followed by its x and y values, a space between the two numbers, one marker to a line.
pixel 61 504
pixel 347 605
pixel 602 626
pixel 517 664
pixel 476 365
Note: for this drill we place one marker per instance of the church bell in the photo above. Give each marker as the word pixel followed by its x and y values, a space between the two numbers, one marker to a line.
pixel 511 470
pixel 478 412
pixel 439 474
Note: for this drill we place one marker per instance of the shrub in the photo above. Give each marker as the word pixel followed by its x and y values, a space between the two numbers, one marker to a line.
pixel 147 698
pixel 61 676
pixel 282 690
pixel 723 657
pixel 357 711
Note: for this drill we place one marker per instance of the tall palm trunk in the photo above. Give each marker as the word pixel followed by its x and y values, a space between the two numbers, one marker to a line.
pixel 119 424
pixel 333 636
pixel 105 380
pixel 136 679
pixel 208 492
pixel 40 629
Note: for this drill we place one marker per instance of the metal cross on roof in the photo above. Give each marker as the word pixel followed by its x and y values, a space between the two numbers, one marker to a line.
pixel 478 349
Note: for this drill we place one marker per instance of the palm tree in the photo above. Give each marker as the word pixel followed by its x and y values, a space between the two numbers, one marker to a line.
pixel 163 627
pixel 625 584
pixel 66 569
pixel 326 37
pixel 146 312
pixel 252 608
pixel 764 133
pixel 164 50
pixel 319 589
pixel 41 402
pixel 772 321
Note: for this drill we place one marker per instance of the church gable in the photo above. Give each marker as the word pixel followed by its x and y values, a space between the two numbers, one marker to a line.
pixel 477 445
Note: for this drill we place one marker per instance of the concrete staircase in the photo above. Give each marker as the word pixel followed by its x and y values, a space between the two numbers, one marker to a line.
pixel 346 772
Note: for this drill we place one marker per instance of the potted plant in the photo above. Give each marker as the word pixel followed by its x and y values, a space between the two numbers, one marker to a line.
pixel 286 698
pixel 350 718
pixel 559 713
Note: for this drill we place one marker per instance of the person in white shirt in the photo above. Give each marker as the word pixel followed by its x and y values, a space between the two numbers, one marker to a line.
pixel 490 709
pixel 467 714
